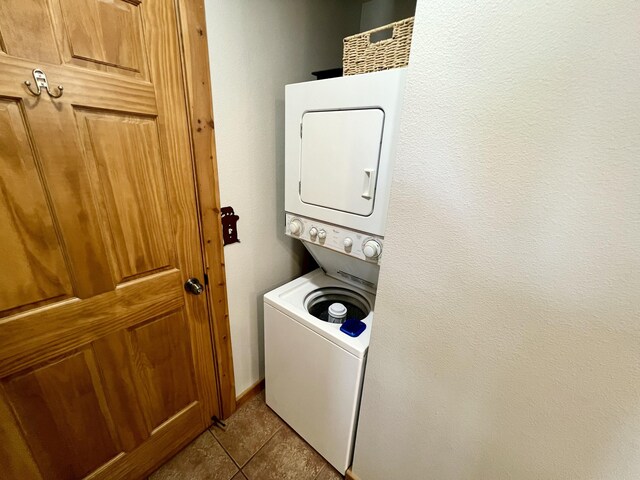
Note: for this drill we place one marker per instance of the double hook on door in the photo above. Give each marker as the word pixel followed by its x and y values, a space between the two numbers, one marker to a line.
pixel 41 82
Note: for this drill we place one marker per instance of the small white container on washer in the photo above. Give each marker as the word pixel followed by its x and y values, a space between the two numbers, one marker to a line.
pixel 337 313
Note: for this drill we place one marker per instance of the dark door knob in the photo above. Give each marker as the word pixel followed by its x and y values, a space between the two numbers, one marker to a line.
pixel 194 286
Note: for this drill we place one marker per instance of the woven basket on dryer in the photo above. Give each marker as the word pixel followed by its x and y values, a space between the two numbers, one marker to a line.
pixel 362 56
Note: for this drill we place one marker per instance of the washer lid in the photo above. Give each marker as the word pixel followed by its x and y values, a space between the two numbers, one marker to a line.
pixel 356 272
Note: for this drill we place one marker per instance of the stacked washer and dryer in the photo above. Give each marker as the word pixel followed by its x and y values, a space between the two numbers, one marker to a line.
pixel 340 138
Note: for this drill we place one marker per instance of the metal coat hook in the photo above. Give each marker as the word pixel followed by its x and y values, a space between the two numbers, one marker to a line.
pixel 41 82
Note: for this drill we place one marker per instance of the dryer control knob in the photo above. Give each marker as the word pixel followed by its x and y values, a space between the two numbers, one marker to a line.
pixel 313 232
pixel 348 243
pixel 322 234
pixel 295 226
pixel 372 249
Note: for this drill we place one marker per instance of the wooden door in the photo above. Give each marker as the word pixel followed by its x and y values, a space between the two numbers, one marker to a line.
pixel 106 363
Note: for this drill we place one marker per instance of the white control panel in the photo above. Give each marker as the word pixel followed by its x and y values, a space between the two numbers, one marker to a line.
pixel 349 242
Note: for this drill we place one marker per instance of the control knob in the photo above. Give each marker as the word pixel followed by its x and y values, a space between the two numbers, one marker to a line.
pixel 313 232
pixel 371 249
pixel 348 243
pixel 322 234
pixel 295 227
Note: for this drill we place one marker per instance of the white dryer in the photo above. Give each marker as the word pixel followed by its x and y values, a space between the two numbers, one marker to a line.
pixel 340 142
pixel 340 137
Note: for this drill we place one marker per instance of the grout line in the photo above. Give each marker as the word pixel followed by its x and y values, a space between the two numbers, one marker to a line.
pixel 224 449
pixel 257 451
pixel 321 470
pixel 251 457
pixel 282 424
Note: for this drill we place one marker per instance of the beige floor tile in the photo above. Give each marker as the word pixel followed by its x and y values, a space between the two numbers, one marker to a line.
pixel 329 473
pixel 202 459
pixel 239 476
pixel 248 429
pixel 285 457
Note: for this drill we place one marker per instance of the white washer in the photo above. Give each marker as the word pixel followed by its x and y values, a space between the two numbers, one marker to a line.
pixel 314 371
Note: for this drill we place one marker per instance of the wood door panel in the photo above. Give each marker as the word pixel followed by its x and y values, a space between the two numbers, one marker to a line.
pixel 42 334
pixel 166 441
pixel 125 157
pixel 26 30
pixel 106 364
pixel 105 33
pixel 47 402
pixel 15 456
pixel 122 34
pixel 131 385
pixel 33 268
pixel 82 24
pixel 71 194
pixel 113 354
pixel 162 356
pixel 82 87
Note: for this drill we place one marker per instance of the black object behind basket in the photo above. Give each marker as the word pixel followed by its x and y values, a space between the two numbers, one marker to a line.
pixel 331 73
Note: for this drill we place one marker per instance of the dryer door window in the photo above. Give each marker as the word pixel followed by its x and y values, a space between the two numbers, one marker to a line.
pixel 339 159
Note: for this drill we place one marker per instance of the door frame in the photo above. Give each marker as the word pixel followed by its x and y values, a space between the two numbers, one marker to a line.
pixel 197 81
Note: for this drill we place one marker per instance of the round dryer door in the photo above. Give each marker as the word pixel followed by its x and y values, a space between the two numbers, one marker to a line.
pixel 321 303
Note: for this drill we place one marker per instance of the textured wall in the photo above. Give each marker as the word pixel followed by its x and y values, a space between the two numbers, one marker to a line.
pixel 506 342
pixel 256 48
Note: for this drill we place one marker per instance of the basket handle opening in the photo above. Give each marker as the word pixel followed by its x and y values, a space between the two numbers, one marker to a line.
pixel 382 34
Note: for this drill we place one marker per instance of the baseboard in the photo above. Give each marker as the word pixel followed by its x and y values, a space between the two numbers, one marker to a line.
pixel 249 393
pixel 350 475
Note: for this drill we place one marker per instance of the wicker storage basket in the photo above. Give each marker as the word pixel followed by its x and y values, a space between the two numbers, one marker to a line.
pixel 362 56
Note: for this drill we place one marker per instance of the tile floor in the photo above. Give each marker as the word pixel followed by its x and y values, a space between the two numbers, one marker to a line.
pixel 256 445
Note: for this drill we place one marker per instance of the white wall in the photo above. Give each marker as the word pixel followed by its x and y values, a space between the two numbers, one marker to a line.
pixel 256 47
pixel 506 343
pixel 376 13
